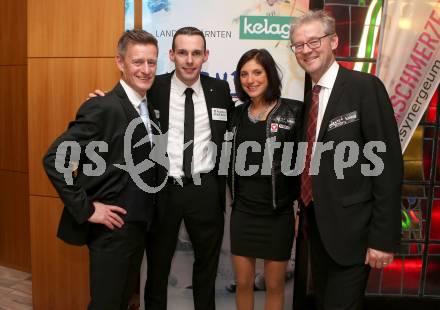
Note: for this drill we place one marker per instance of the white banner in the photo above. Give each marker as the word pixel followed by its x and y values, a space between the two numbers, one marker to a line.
pixel 231 28
pixel 410 60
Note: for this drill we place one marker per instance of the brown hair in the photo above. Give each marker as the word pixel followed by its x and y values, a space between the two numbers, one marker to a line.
pixel 135 36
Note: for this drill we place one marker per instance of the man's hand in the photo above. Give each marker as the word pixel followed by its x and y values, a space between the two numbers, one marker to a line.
pixel 96 93
pixel 107 215
pixel 378 259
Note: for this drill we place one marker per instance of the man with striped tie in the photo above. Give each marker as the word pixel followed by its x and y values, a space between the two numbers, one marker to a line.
pixel 352 219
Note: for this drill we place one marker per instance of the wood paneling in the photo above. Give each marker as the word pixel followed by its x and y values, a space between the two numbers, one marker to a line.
pixel 74 28
pixel 14 220
pixel 13 32
pixel 59 271
pixel 71 44
pixel 13 118
pixel 57 87
pixel 14 188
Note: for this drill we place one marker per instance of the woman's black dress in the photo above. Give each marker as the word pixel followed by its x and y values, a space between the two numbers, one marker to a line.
pixel 256 229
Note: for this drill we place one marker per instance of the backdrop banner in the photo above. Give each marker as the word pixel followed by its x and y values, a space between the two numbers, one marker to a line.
pixel 231 28
pixel 409 63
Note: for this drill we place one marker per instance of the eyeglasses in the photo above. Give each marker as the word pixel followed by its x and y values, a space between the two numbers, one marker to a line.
pixel 312 44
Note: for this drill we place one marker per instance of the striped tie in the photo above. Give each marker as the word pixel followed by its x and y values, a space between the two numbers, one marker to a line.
pixel 306 178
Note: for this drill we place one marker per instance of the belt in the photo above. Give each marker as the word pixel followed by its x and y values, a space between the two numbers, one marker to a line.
pixel 182 181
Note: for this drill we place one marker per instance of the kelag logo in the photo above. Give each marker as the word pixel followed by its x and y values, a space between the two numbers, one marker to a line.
pixel 265 27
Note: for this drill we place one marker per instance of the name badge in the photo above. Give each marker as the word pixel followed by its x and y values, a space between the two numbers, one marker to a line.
pixel 157 113
pixel 219 114
pixel 343 120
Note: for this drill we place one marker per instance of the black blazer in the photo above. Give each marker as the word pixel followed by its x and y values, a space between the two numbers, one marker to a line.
pixel 98 119
pixel 217 95
pixel 287 113
pixel 358 211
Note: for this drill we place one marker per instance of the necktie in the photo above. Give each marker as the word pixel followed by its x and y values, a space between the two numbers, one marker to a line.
pixel 145 116
pixel 188 132
pixel 306 178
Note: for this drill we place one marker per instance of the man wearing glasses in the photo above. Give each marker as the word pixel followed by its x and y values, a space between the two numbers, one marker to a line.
pixel 193 110
pixel 353 222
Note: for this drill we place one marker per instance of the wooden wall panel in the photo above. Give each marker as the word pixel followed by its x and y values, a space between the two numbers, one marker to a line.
pixel 74 28
pixel 59 271
pixel 13 118
pixel 13 32
pixel 58 87
pixel 71 45
pixel 14 188
pixel 14 220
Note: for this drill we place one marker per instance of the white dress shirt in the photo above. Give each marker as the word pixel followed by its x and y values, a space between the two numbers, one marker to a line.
pixel 136 101
pixel 203 154
pixel 326 82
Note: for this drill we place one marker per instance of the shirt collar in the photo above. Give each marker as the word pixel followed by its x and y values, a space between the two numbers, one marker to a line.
pixel 181 87
pixel 132 95
pixel 329 77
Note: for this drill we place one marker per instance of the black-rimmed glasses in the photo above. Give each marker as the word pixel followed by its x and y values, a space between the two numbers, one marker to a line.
pixel 312 44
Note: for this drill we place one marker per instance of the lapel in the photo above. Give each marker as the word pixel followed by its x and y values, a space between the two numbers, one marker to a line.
pixel 209 93
pixel 159 96
pixel 130 113
pixel 333 101
pixel 305 116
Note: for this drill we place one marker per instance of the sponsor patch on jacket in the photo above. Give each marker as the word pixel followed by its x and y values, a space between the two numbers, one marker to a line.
pixel 274 127
pixel 284 122
pixel 219 114
pixel 343 120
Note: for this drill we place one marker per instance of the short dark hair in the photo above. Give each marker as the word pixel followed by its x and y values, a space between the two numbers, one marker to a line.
pixel 265 59
pixel 189 31
pixel 135 36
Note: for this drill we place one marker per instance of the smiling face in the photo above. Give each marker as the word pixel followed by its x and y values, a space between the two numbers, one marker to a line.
pixel 314 61
pixel 188 55
pixel 138 66
pixel 253 79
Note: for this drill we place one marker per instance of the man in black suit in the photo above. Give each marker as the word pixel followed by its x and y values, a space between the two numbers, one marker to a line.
pixel 105 207
pixel 351 209
pixel 191 108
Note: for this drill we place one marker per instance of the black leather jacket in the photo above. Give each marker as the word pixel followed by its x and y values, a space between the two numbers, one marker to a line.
pixel 284 124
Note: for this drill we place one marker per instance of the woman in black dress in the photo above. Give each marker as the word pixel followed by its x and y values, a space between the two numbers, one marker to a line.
pixel 262 219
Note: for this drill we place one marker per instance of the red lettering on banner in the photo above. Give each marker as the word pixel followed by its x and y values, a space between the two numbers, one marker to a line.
pixel 426 39
pixel 401 94
pixel 416 66
pixel 396 103
pixel 431 26
pixel 421 54
pixel 407 78
pixel 434 16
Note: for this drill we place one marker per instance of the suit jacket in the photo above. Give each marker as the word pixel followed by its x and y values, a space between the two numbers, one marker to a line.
pixel 217 95
pixel 98 119
pixel 358 211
